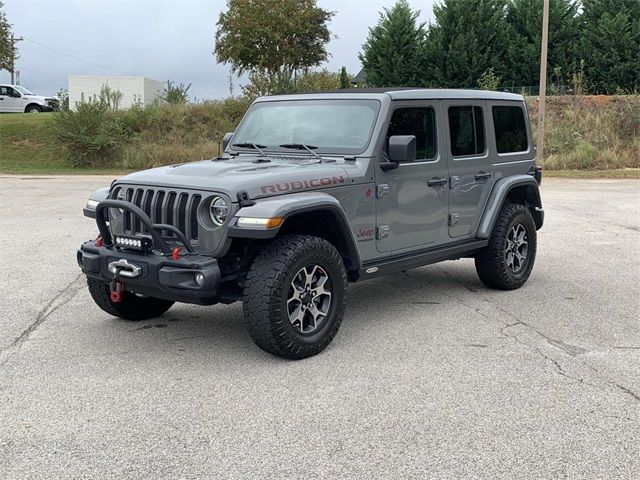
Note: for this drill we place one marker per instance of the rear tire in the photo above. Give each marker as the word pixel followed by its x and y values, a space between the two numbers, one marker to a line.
pixel 295 295
pixel 131 307
pixel 506 262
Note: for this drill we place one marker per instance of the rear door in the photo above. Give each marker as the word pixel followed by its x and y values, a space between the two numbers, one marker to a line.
pixel 470 164
pixel 412 199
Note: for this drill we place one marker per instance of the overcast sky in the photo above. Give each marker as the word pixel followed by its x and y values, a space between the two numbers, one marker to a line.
pixel 159 39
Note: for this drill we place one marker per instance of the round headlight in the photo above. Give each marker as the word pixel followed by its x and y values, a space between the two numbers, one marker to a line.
pixel 117 195
pixel 219 210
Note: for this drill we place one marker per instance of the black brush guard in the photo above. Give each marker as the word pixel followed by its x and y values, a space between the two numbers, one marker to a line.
pixel 154 229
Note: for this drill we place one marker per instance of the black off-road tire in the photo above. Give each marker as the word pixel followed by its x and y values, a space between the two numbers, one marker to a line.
pixel 491 261
pixel 268 287
pixel 131 307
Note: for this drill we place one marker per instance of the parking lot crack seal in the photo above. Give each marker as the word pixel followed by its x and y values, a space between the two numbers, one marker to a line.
pixel 59 300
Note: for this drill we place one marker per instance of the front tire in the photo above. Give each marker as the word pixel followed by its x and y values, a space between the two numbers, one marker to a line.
pixel 131 307
pixel 33 109
pixel 506 262
pixel 295 296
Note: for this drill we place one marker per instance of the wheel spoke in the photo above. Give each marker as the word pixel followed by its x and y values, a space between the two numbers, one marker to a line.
pixel 297 315
pixel 510 258
pixel 308 277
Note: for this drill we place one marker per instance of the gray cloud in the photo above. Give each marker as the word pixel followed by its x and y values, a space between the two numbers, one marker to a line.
pixel 160 39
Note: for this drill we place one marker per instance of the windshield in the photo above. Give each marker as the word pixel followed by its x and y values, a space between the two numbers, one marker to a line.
pixel 327 126
pixel 23 90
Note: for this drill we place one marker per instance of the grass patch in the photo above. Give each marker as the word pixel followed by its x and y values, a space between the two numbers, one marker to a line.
pixel 28 144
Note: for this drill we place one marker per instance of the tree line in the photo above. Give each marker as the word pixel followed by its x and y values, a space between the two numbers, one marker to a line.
pixel 594 45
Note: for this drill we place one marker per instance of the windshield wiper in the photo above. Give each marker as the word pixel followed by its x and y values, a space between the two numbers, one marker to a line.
pixel 255 146
pixel 301 146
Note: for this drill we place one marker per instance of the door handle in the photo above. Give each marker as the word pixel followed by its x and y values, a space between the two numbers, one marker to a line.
pixel 436 182
pixel 482 176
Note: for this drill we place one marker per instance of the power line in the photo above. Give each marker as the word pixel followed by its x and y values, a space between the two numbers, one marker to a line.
pixel 78 59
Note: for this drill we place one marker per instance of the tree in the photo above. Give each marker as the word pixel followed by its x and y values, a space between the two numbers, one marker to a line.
pixel 393 52
pixel 275 39
pixel 489 80
pixel 344 78
pixel 524 23
pixel 467 39
pixel 309 81
pixel 610 44
pixel 7 48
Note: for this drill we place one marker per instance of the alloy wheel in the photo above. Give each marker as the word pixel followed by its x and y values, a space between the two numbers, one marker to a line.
pixel 309 299
pixel 517 248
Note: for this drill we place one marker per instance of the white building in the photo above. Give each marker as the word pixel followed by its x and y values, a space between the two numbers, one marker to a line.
pixel 134 89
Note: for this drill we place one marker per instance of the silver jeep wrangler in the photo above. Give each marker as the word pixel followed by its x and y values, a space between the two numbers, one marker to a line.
pixel 312 192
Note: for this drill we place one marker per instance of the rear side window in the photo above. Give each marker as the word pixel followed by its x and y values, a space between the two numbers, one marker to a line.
pixel 466 128
pixel 420 122
pixel 511 129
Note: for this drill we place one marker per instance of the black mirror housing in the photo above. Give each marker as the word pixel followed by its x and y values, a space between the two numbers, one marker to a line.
pixel 402 148
pixel 226 139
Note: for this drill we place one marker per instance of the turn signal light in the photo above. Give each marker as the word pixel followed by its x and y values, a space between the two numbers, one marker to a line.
pixel 252 222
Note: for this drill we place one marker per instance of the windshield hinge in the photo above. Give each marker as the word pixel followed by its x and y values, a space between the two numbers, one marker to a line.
pixel 244 200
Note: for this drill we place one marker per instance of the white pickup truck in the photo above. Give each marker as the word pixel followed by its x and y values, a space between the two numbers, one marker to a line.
pixel 17 99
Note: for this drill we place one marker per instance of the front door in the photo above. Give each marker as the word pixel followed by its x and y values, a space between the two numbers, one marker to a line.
pixel 470 165
pixel 10 100
pixel 412 200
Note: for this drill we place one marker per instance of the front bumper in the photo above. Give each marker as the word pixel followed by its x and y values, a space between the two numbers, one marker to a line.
pixel 157 276
pixel 155 272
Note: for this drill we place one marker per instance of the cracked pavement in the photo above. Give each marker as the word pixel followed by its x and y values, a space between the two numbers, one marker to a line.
pixel 431 375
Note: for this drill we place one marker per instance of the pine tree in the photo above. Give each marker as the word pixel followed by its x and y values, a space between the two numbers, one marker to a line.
pixel 467 39
pixel 344 78
pixel 393 52
pixel 610 45
pixel 524 19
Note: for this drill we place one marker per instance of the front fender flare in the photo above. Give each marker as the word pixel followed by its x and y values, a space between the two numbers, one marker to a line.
pixel 286 206
pixel 497 198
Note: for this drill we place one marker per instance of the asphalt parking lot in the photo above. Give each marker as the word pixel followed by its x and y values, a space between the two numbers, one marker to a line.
pixel 431 375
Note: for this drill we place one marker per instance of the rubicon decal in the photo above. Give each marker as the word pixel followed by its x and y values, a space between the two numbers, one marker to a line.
pixel 302 184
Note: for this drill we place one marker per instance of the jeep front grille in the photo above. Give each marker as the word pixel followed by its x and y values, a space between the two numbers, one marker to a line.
pixel 171 207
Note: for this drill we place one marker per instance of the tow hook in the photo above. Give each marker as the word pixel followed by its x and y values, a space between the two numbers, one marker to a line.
pixel 116 290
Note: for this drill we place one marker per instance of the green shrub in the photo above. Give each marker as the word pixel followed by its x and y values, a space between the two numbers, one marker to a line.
pixel 93 136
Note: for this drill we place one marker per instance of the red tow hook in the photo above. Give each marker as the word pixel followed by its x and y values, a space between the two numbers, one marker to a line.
pixel 99 241
pixel 116 291
pixel 175 253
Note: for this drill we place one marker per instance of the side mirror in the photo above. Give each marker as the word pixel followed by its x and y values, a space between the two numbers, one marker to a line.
pixel 226 139
pixel 402 148
pixel 16 94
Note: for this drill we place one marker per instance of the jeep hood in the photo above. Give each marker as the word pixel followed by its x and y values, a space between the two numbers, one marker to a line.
pixel 246 173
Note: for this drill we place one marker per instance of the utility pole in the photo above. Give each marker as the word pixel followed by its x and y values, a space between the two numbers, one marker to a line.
pixel 14 40
pixel 543 83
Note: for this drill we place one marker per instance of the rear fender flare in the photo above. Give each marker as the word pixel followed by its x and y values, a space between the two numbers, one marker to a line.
pixel 499 194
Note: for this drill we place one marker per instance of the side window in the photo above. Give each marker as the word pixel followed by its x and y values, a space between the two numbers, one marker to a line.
pixel 466 128
pixel 420 122
pixel 4 91
pixel 510 129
